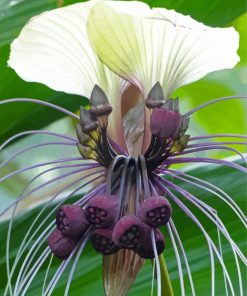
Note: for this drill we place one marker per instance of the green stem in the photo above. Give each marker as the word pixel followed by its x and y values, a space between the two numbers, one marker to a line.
pixel 166 286
pixel 59 3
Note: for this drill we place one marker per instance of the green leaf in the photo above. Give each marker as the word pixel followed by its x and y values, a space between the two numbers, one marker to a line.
pixel 240 24
pixel 212 13
pixel 87 279
pixel 18 117
pixel 14 14
pixel 225 117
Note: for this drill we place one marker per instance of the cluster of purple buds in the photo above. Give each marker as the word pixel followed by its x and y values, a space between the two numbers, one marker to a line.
pixel 109 234
pixel 132 232
pixel 106 218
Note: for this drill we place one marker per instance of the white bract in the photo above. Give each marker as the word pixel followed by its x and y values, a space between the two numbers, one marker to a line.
pixel 163 46
pixel 73 48
pixel 53 48
pixel 140 44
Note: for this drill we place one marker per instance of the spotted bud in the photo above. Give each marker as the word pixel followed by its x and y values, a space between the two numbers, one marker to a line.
pixel 165 123
pixel 99 103
pixel 102 242
pixel 101 211
pixel 155 98
pixel 127 232
pixel 145 250
pixel 60 245
pixel 155 211
pixel 71 220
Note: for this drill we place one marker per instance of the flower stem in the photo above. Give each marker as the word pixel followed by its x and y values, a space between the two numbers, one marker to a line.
pixel 59 3
pixel 166 286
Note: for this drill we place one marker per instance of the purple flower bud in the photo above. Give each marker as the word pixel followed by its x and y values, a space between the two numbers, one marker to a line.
pixel 102 242
pixel 99 103
pixel 165 123
pixel 127 232
pixel 155 98
pixel 155 211
pixel 145 250
pixel 61 246
pixel 71 220
pixel 88 123
pixel 101 211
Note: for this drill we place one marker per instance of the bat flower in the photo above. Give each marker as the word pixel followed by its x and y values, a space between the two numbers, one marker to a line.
pixel 127 59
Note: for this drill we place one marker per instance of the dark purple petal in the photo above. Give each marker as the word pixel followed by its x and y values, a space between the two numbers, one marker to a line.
pixel 165 123
pixel 102 242
pixel 155 211
pixel 101 211
pixel 71 220
pixel 127 232
pixel 61 246
pixel 145 250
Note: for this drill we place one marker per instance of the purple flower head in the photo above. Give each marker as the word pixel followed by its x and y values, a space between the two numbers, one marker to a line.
pixel 88 123
pixel 60 245
pixel 128 232
pixel 155 98
pixel 165 123
pixel 103 243
pixel 71 220
pixel 155 211
pixel 99 103
pixel 101 211
pixel 146 250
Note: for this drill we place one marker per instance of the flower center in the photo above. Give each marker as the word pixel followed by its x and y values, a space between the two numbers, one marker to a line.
pixel 125 214
pixel 167 127
pixel 133 119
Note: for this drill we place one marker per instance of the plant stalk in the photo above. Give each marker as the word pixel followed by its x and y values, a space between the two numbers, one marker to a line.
pixel 166 286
